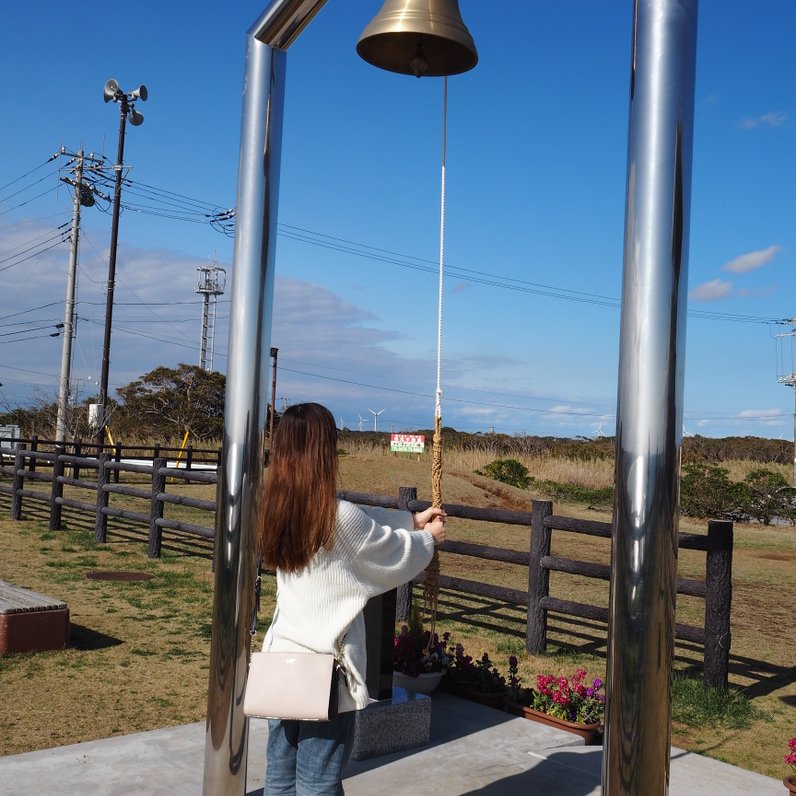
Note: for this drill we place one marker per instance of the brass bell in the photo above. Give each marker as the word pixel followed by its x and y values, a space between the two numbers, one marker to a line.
pixel 424 38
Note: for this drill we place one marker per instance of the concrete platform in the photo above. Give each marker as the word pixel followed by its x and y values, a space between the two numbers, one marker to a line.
pixel 473 750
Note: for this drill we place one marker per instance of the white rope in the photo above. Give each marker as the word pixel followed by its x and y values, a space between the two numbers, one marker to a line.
pixel 431 581
pixel 438 394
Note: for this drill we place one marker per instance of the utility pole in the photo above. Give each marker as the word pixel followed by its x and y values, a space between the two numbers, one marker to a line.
pixel 274 357
pixel 789 380
pixel 126 107
pixel 84 195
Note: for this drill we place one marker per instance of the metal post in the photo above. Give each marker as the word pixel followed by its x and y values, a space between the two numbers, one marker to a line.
pixel 106 343
pixel 240 473
pixel 274 358
pixel 649 409
pixel 69 308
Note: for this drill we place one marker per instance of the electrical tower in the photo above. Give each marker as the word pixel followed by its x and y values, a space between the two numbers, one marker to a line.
pixel 210 282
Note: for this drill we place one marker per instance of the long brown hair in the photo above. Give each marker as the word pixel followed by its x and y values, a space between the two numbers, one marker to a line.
pixel 299 503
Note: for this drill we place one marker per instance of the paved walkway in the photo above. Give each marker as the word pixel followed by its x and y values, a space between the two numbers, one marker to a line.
pixel 473 750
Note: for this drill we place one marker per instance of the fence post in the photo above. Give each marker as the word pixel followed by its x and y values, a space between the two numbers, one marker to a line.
pixel 57 490
pixel 718 602
pixel 18 482
pixel 117 458
pixel 189 457
pixel 101 522
pixel 538 578
pixel 34 446
pixel 78 452
pixel 156 508
pixel 403 606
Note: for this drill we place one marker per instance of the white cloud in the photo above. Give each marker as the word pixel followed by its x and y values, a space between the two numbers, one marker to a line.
pixel 773 119
pixel 762 413
pixel 751 260
pixel 567 409
pixel 711 291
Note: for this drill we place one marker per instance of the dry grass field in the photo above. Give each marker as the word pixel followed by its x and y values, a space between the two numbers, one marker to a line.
pixel 138 657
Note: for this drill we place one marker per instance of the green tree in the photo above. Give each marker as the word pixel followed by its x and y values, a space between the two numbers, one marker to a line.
pixel 167 402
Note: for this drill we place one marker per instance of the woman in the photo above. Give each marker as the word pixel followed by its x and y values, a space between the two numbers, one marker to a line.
pixel 330 557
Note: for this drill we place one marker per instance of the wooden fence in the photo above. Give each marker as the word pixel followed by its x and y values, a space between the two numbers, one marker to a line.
pixel 189 457
pixel 715 589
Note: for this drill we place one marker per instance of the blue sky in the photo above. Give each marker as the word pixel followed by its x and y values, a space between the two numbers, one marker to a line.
pixel 536 159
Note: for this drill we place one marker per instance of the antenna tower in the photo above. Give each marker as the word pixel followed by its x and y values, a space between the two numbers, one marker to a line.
pixel 210 282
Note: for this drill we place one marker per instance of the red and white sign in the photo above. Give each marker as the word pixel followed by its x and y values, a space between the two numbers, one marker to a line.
pixel 407 443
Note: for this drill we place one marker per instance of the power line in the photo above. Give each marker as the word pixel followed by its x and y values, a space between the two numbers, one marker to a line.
pixel 26 339
pixel 27 201
pixel 27 174
pixel 64 239
pixel 378 254
pixel 25 331
pixel 31 309
pixel 36 245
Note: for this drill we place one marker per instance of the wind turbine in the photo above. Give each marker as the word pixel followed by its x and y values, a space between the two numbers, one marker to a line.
pixel 375 415
pixel 361 422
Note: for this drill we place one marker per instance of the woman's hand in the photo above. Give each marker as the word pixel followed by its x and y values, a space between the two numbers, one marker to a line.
pixel 437 530
pixel 423 518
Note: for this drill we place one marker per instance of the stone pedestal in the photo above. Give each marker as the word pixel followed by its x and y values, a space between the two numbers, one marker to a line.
pixel 392 725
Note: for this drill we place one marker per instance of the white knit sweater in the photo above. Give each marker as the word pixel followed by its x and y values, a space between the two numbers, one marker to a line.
pixel 374 551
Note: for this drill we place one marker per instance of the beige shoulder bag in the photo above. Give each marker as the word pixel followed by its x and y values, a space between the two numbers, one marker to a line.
pixel 291 685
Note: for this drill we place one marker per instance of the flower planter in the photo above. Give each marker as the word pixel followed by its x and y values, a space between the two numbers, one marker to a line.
pixel 492 699
pixel 424 683
pixel 588 732
pixel 790 783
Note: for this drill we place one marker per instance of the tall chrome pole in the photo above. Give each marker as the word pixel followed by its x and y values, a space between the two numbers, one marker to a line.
pixel 649 413
pixel 240 473
pixel 241 469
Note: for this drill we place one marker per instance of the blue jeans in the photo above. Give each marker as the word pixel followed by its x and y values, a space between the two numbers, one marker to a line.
pixel 306 758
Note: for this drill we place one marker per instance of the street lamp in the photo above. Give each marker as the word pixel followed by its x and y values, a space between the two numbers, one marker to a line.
pixel 127 111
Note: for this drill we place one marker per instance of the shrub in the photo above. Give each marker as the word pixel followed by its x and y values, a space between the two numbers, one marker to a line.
pixel 768 495
pixel 706 491
pixel 574 493
pixel 507 471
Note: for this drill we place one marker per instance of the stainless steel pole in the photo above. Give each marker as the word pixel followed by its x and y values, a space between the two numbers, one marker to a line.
pixel 649 413
pixel 69 309
pixel 240 473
